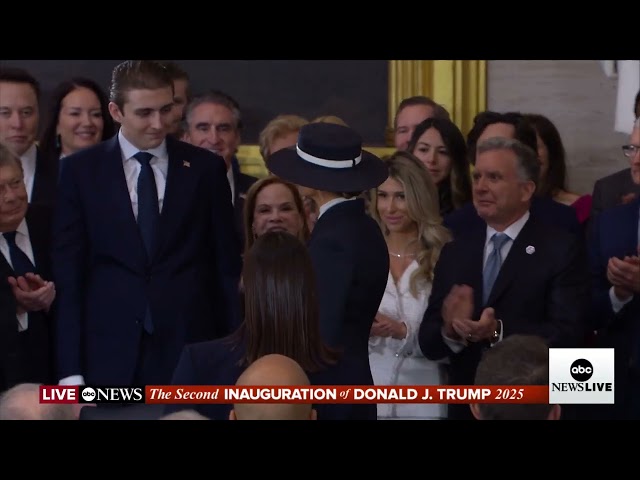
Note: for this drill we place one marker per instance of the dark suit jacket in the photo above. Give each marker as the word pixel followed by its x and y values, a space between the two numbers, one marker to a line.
pixel 608 191
pixel 242 183
pixel 105 282
pixel 545 293
pixel 351 262
pixel 216 363
pixel 45 181
pixel 27 356
pixel 545 209
pixel 615 234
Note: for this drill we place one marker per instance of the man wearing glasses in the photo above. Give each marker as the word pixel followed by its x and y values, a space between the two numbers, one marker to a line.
pixel 615 268
pixel 618 187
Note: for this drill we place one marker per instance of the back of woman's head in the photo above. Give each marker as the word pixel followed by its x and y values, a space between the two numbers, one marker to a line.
pixel 281 309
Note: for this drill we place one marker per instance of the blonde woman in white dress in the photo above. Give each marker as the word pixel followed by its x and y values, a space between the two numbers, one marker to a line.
pixel 407 210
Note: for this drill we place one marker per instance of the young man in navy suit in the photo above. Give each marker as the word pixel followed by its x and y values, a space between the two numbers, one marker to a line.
pixel 615 267
pixel 347 248
pixel 145 256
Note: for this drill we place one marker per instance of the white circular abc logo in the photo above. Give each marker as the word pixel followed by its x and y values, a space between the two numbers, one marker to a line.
pixel 88 394
pixel 581 370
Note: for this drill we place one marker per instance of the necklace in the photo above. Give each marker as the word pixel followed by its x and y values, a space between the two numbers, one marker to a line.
pixel 398 255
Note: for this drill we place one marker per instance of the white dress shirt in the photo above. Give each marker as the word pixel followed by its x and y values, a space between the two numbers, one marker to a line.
pixel 159 165
pixel 232 185
pixel 24 243
pixel 28 160
pixel 512 231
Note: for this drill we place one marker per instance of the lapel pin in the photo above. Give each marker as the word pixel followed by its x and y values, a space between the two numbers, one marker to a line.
pixel 186 164
pixel 530 250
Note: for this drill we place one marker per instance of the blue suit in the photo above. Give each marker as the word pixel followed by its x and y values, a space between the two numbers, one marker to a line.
pixel 105 283
pixel 615 234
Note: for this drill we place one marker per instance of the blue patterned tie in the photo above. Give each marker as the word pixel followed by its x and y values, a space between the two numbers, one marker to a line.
pixel 148 208
pixel 148 214
pixel 494 262
pixel 19 260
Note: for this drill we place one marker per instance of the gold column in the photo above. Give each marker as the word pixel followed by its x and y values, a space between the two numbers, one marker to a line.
pixel 459 85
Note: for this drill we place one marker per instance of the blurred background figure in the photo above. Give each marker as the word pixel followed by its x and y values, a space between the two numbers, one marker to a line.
pixel 330 119
pixel 273 370
pixel 78 118
pixel 22 402
pixel 553 168
pixel 440 145
pixel 273 204
pixel 181 97
pixel 517 360
pixel 410 113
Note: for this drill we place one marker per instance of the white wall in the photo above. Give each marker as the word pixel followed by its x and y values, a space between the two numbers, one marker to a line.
pixel 578 97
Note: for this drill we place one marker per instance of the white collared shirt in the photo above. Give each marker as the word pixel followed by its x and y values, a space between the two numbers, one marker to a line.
pixel 333 203
pixel 159 165
pixel 28 160
pixel 24 243
pixel 232 185
pixel 512 231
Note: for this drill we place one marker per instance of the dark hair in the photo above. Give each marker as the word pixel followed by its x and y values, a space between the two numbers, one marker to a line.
pixel 556 176
pixel 215 97
pixel 49 145
pixel 523 130
pixel 281 306
pixel 176 72
pixel 438 110
pixel 636 108
pixel 137 74
pixel 19 75
pixel 250 207
pixel 459 188
pixel 517 360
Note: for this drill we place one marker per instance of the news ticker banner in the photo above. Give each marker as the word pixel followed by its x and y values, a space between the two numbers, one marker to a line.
pixel 576 376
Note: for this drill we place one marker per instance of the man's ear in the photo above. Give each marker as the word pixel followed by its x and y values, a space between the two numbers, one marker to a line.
pixel 314 414
pixel 115 113
pixel 232 415
pixel 475 409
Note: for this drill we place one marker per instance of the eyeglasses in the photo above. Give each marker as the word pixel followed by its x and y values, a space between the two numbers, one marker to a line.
pixel 630 150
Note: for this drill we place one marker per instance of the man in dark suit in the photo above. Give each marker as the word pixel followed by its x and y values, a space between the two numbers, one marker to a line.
pixel 514 274
pixel 213 122
pixel 19 120
pixel 509 125
pixel 26 298
pixel 348 251
pixel 615 266
pixel 145 256
pixel 620 187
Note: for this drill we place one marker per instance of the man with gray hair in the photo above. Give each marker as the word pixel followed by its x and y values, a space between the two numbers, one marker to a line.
pixel 512 274
pixel 22 402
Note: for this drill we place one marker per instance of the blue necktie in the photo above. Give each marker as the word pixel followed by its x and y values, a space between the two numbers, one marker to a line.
pixel 148 208
pixel 19 260
pixel 494 262
pixel 148 215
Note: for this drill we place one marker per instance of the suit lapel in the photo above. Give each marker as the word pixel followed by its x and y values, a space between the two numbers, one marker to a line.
pixel 473 264
pixel 177 193
pixel 515 262
pixel 39 239
pixel 117 193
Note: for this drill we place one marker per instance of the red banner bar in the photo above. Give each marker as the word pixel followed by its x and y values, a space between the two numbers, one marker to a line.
pixel 524 394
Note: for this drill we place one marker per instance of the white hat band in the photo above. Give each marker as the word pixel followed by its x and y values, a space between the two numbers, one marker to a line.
pixel 347 163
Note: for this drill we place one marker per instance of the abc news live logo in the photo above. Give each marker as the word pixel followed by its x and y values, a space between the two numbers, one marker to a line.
pixel 581 375
pixel 90 394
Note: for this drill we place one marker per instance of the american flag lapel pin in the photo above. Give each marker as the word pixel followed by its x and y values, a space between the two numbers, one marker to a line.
pixel 186 163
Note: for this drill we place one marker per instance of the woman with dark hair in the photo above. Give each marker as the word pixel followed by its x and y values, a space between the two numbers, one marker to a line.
pixel 78 118
pixel 553 168
pixel 440 145
pixel 281 317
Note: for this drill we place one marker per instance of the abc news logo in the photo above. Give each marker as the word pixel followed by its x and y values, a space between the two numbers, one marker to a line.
pixel 587 379
pixel 111 395
pixel 90 394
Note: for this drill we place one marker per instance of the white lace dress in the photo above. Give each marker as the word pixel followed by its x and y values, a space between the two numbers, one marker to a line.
pixel 400 362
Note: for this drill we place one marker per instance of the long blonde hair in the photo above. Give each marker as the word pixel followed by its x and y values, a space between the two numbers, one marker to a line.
pixel 423 207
